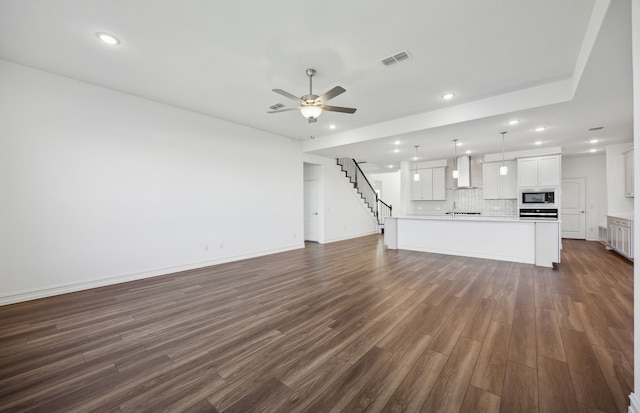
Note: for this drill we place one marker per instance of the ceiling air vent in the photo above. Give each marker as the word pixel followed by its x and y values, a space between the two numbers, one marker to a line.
pixel 596 128
pixel 398 57
pixel 276 106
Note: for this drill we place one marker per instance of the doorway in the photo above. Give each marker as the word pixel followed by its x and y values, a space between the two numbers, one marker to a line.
pixel 312 202
pixel 573 208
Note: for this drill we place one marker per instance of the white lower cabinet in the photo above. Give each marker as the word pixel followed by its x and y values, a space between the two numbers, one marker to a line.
pixel 620 235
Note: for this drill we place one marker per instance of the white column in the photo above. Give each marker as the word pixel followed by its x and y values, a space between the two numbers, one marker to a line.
pixel 635 38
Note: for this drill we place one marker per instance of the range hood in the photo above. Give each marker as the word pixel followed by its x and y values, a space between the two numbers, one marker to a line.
pixel 464 173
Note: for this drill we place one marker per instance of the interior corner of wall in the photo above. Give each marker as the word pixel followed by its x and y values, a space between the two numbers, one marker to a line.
pixel 634 405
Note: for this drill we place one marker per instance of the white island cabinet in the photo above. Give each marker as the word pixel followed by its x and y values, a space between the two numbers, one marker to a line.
pixel 496 238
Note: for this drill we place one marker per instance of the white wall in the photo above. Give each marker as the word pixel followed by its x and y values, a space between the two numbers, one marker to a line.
pixel 617 203
pixel 390 191
pixel 635 37
pixel 100 186
pixel 343 214
pixel 594 170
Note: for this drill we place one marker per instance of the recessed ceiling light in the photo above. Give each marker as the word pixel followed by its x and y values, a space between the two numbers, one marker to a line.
pixel 513 122
pixel 448 96
pixel 540 129
pixel 396 150
pixel 594 141
pixel 458 143
pixel 468 152
pixel 593 150
pixel 397 143
pixel 107 38
pixel 537 143
pixel 390 166
pixel 415 158
pixel 332 126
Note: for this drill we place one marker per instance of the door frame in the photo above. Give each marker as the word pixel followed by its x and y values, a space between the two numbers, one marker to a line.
pixel 583 212
pixel 313 172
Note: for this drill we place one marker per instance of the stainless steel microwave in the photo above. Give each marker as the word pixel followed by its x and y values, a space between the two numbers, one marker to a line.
pixel 538 197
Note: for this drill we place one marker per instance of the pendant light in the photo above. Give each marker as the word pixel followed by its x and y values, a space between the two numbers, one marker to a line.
pixel 503 167
pixel 455 159
pixel 416 175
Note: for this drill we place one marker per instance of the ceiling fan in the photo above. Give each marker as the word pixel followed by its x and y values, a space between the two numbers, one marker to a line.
pixel 311 106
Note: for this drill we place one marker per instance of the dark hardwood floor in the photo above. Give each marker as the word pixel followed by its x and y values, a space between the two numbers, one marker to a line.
pixel 347 326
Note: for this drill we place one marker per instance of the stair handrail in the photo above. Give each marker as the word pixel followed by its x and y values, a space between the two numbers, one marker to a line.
pixel 379 208
pixel 384 210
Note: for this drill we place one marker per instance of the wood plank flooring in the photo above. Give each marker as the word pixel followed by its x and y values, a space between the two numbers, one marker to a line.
pixel 343 327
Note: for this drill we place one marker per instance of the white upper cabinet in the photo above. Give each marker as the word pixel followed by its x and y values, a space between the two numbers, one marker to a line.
pixel 430 187
pixel 539 171
pixel 439 193
pixel 498 186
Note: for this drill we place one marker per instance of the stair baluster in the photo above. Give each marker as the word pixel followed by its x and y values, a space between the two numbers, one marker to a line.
pixel 352 170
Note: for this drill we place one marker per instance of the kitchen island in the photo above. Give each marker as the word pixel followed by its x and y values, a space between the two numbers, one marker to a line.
pixel 497 238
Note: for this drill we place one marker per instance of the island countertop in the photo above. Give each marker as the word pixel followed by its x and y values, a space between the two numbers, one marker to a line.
pixel 505 238
pixel 489 218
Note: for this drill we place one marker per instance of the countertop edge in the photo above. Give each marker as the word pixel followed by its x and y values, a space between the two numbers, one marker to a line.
pixel 473 219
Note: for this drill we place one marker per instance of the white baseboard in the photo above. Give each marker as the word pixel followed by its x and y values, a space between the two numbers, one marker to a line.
pixel 48 291
pixel 634 406
pixel 363 234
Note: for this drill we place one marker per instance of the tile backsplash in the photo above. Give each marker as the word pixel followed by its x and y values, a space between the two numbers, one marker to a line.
pixel 467 200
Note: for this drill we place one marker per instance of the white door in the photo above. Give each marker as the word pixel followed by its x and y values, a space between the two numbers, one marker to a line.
pixel 573 201
pixel 311 219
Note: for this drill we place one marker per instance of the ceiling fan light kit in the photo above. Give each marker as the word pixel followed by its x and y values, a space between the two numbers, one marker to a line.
pixel 311 111
pixel 311 106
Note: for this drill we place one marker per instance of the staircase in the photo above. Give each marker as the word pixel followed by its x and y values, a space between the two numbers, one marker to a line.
pixel 378 208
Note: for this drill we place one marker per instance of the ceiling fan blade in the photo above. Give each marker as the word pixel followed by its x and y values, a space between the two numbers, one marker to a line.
pixel 283 110
pixel 286 94
pixel 338 90
pixel 338 109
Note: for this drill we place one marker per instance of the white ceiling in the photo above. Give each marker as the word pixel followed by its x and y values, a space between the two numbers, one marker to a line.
pixel 565 65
